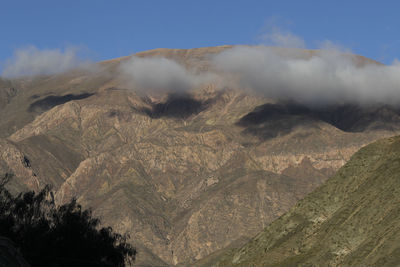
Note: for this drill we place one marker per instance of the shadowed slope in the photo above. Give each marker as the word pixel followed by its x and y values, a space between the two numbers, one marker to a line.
pixel 176 106
pixel 51 101
pixel 270 120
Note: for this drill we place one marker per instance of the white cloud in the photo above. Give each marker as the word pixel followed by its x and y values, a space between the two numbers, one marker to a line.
pixel 325 77
pixel 332 46
pixel 31 61
pixel 278 37
pixel 318 78
pixel 161 74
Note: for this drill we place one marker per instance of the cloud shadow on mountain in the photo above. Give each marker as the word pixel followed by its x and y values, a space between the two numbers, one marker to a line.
pixel 270 120
pixel 51 101
pixel 179 106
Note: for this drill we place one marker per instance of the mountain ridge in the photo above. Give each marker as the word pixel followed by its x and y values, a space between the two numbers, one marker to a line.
pixel 171 169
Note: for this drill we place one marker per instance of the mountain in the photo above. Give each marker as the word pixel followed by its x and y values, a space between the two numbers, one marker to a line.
pixel 186 173
pixel 351 220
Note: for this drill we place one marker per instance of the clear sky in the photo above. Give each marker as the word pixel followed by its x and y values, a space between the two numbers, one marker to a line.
pixel 109 29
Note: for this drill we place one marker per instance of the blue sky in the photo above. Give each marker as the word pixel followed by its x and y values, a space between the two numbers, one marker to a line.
pixel 109 29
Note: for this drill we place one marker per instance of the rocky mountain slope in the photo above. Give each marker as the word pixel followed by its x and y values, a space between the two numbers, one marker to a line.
pixel 351 220
pixel 186 174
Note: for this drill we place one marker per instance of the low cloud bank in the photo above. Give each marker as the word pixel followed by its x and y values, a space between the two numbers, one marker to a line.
pixel 326 77
pixel 161 74
pixel 323 77
pixel 31 61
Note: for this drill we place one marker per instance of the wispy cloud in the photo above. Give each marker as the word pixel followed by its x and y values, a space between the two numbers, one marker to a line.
pixel 275 36
pixel 328 76
pixel 161 74
pixel 30 61
pixel 323 77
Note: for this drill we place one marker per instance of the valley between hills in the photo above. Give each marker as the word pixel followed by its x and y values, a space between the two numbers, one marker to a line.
pixel 196 173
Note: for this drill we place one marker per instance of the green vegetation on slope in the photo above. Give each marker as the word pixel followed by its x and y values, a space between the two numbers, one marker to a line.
pixel 352 220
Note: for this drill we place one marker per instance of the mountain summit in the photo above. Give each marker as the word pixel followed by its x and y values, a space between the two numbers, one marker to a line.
pixel 178 150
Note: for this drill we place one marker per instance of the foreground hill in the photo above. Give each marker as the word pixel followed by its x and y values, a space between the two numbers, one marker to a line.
pixel 351 220
pixel 186 174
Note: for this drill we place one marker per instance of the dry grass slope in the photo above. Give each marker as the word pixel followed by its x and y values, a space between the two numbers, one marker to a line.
pixel 351 220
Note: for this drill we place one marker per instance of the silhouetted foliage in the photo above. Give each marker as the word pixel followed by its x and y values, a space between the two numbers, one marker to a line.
pixel 59 236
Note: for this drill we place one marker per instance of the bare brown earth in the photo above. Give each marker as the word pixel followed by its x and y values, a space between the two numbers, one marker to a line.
pixel 184 175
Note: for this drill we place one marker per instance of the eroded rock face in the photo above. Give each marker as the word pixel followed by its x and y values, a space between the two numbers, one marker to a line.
pixel 183 186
